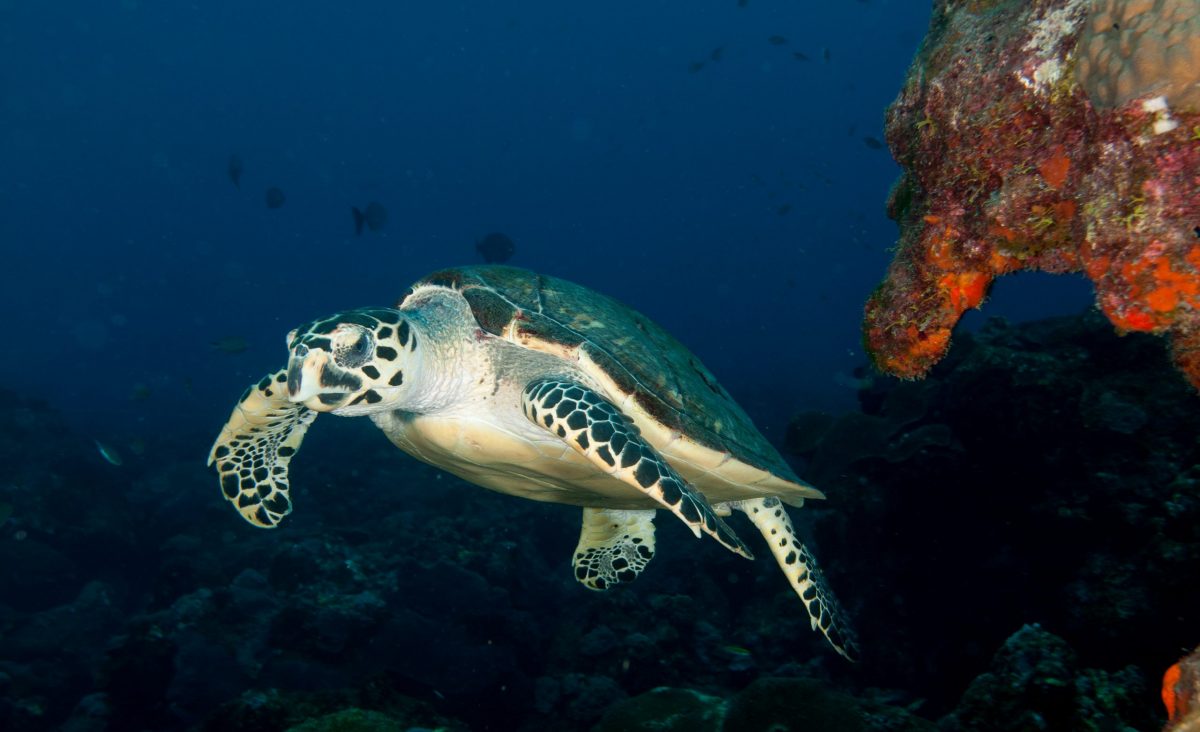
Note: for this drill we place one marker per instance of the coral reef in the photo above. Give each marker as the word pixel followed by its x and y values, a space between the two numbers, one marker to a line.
pixel 1043 172
pixel 1181 694
pixel 1138 49
pixel 449 607
pixel 353 720
pixel 803 704
pixel 1034 682
pixel 1065 493
pixel 767 704
pixel 665 710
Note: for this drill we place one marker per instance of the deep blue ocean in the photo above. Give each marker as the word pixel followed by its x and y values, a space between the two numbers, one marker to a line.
pixel 716 164
pixel 736 204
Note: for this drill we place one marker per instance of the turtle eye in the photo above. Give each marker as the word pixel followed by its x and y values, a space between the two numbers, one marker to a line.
pixel 353 351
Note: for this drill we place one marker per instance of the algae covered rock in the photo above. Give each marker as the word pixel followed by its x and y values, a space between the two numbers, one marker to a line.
pixel 787 705
pixel 1078 158
pixel 1035 683
pixel 352 720
pixel 805 705
pixel 376 708
pixel 665 710
pixel 767 705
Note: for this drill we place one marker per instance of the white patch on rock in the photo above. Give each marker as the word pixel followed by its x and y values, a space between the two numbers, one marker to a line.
pixel 1049 31
pixel 1045 65
pixel 1162 125
pixel 1156 104
pixel 1163 121
pixel 1048 73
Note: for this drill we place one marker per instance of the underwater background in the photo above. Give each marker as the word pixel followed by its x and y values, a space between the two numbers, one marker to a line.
pixel 1014 537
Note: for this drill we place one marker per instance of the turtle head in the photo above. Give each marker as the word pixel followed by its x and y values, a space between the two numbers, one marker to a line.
pixel 351 363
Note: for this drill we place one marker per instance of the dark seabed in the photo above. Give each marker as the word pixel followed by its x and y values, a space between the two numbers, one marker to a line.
pixel 1015 537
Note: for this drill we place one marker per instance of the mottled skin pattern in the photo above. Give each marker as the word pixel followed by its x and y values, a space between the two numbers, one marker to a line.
pixel 800 566
pixel 254 449
pixel 614 547
pixel 1030 175
pixel 538 388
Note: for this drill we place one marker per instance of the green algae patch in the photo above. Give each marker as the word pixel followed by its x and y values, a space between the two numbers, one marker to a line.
pixel 665 710
pixel 351 720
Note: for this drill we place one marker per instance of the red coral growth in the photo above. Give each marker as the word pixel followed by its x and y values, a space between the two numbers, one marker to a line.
pixel 1181 684
pixel 1030 175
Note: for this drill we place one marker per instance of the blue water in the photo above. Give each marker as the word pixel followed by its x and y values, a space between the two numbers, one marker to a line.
pixel 736 202
pixel 579 131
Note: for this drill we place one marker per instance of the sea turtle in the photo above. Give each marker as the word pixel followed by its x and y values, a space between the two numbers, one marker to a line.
pixel 540 388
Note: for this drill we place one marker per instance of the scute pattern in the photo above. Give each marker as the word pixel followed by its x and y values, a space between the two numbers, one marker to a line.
pixel 598 430
pixel 665 379
pixel 254 448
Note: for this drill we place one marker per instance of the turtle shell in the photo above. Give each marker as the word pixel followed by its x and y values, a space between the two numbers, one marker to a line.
pixel 618 346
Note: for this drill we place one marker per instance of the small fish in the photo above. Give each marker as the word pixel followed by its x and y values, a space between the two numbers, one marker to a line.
pixel 799 56
pixel 784 209
pixel 695 66
pixel 111 456
pixel 496 247
pixel 743 3
pixel 374 216
pixel 872 143
pixel 717 53
pixel 826 55
pixel 233 344
pixel 736 650
pixel 777 41
pixel 6 510
pixel 235 171
pixel 274 197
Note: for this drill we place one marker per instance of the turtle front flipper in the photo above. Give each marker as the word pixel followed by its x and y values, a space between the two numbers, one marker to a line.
pixel 254 448
pixel 614 546
pixel 600 432
pixel 803 574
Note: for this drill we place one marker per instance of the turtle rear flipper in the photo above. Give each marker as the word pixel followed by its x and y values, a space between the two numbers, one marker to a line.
pixel 587 422
pixel 614 546
pixel 254 448
pixel 803 574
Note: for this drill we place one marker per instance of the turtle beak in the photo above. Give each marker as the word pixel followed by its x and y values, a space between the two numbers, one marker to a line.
pixel 316 382
pixel 304 374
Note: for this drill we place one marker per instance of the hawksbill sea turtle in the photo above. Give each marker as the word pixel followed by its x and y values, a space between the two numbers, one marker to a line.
pixel 539 388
